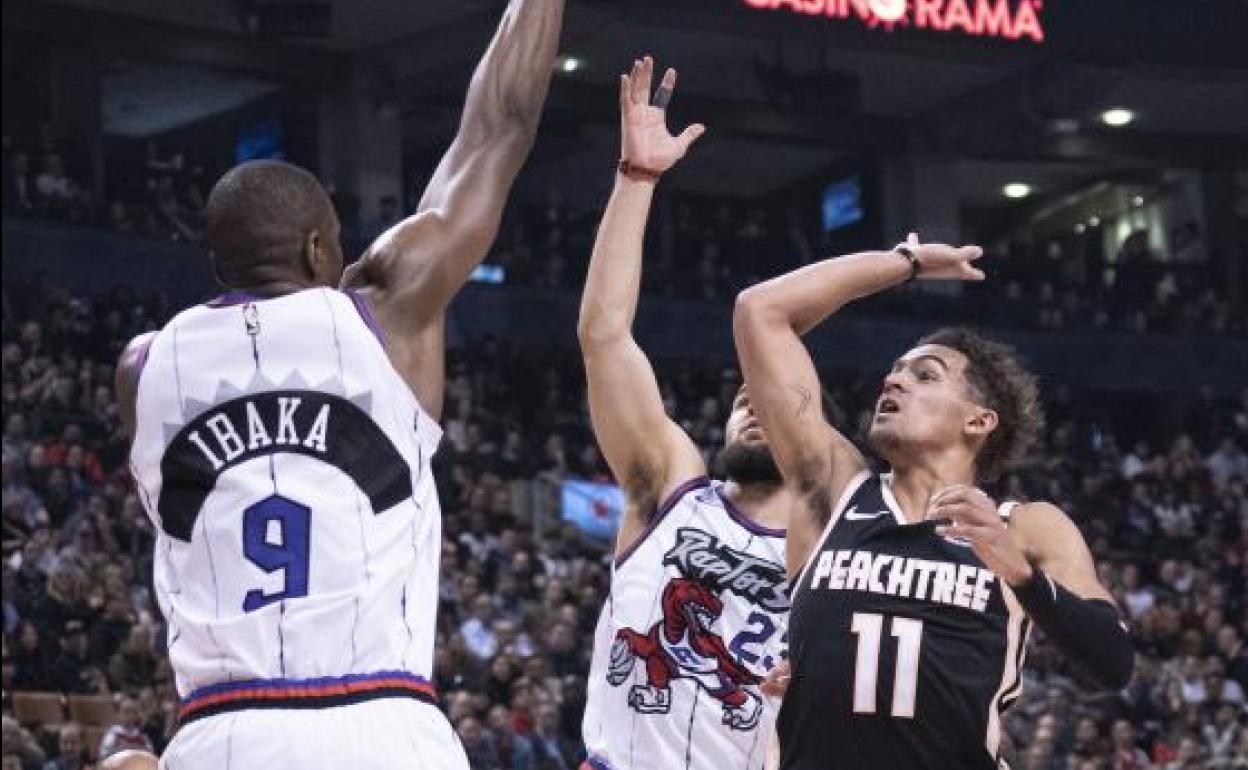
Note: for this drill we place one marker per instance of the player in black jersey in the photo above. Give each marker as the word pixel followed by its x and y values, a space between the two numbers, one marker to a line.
pixel 913 592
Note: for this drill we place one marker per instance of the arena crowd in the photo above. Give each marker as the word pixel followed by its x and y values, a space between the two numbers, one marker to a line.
pixel 1163 504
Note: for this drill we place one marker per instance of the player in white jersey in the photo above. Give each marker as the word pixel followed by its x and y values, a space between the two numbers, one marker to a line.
pixel 695 618
pixel 282 437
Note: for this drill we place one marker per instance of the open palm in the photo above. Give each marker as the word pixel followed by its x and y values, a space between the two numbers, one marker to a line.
pixel 644 139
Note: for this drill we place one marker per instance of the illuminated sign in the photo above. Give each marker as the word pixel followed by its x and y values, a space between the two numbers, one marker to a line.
pixel 1006 19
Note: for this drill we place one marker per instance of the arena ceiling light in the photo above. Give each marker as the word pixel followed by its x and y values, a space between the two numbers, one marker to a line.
pixel 1117 117
pixel 1016 190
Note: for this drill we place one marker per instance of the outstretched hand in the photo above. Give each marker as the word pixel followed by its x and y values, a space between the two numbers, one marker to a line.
pixel 939 262
pixel 644 139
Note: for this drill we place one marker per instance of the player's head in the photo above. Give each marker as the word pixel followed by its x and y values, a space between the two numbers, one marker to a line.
pixel 957 393
pixel 271 222
pixel 746 458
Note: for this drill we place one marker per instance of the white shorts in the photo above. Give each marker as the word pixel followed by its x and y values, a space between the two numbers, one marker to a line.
pixel 387 733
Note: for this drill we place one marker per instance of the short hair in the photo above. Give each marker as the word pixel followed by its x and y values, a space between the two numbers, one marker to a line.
pixel 258 217
pixel 1000 382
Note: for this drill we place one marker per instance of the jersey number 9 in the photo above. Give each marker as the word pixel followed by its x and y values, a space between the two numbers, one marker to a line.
pixel 276 536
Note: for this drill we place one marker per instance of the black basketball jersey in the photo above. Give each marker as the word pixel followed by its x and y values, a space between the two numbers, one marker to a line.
pixel 905 648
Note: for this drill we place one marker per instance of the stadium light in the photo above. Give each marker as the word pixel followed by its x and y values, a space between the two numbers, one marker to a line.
pixel 1016 190
pixel 568 64
pixel 1117 117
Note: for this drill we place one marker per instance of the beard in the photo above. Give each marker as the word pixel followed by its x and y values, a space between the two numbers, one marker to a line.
pixel 747 464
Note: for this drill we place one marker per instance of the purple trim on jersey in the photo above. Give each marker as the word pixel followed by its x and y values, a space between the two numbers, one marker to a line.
pixel 663 509
pixel 594 762
pixel 302 684
pixel 366 313
pixel 323 692
pixel 750 525
pixel 231 298
pixel 144 349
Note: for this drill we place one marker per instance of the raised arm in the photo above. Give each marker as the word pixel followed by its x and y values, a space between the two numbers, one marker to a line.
pixel 648 453
pixel 411 272
pixel 768 323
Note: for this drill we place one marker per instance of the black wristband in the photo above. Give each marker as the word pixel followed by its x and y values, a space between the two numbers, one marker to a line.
pixel 908 254
pixel 1089 632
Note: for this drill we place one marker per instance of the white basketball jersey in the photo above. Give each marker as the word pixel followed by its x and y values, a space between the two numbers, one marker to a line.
pixel 285 465
pixel 696 617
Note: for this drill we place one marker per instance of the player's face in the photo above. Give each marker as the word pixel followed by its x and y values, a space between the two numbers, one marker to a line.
pixel 742 423
pixel 925 406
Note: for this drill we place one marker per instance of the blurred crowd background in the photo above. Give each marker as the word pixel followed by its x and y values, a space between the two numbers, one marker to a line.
pixel 1161 499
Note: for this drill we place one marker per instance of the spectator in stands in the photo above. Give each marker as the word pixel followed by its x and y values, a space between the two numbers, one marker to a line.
pixel 18 742
pixel 515 751
pixel 551 746
pixel 72 672
pixel 1126 755
pixel 478 744
pixel 134 665
pixel 128 732
pixel 71 753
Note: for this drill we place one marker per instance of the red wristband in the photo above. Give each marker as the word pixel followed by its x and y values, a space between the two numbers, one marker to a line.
pixel 628 169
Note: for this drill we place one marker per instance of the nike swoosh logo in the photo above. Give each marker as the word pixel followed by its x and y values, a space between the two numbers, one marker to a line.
pixel 853 515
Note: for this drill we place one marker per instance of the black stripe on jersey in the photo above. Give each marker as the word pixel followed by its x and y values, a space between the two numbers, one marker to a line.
pixel 308 422
pixel 693 717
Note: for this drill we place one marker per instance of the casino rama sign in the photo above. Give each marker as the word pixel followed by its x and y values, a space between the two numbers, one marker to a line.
pixel 1005 19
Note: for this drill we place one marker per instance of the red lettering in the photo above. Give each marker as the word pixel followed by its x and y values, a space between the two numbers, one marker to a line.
pixel 958 15
pixel 927 14
pixel 1027 23
pixel 996 18
pixel 993 18
pixel 862 8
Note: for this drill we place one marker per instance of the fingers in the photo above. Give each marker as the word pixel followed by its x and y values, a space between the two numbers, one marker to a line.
pixel 626 85
pixel 636 94
pixel 912 239
pixel 663 96
pixel 953 492
pixel 963 532
pixel 690 135
pixel 645 75
pixel 970 252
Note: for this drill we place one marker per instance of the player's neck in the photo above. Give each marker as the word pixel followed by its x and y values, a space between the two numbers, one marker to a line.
pixel 764 504
pixel 270 289
pixel 914 486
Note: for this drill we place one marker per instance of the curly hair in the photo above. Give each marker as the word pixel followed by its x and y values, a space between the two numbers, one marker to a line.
pixel 998 381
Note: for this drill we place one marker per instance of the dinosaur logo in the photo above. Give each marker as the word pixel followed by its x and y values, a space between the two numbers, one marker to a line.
pixel 682 645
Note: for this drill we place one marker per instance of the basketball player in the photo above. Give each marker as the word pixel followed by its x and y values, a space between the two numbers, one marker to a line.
pixel 282 447
pixel 913 592
pixel 695 616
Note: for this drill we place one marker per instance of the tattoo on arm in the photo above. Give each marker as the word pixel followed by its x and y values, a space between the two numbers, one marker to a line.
pixel 804 399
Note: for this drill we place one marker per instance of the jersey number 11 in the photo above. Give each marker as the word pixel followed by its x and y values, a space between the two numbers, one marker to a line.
pixel 869 628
